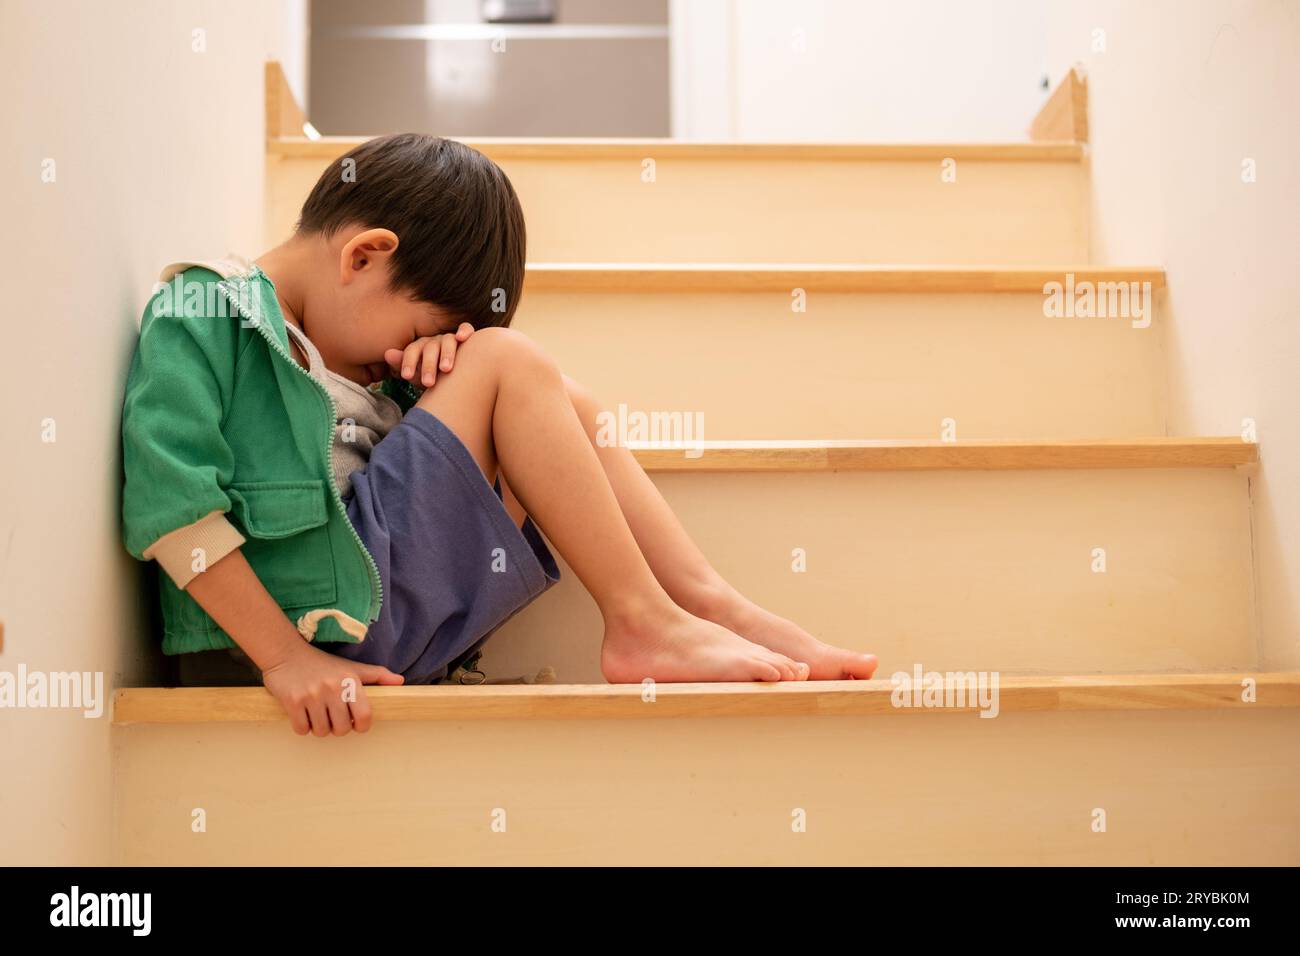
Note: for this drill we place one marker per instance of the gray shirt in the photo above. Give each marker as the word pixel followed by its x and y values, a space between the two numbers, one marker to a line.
pixel 364 415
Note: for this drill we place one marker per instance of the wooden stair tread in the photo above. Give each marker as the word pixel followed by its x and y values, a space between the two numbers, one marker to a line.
pixel 821 277
pixel 569 148
pixel 189 705
pixel 967 454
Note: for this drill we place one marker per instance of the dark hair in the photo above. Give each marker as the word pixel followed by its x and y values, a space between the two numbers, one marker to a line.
pixel 457 218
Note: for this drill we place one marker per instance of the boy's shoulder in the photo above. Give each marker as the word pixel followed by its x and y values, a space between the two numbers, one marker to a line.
pixel 228 266
pixel 216 296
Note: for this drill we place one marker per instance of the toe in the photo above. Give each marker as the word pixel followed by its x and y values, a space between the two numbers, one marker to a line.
pixel 770 659
pixel 860 666
pixel 765 671
pixel 789 669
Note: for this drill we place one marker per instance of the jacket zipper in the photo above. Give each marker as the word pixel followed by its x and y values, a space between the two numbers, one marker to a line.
pixel 376 583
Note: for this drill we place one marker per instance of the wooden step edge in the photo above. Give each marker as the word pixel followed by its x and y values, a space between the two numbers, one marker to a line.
pixel 615 277
pixel 1064 117
pixel 502 149
pixel 962 455
pixel 206 705
pixel 284 117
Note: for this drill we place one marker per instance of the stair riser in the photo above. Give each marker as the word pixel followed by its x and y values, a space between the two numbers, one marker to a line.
pixel 859 365
pixel 900 790
pixel 772 211
pixel 969 571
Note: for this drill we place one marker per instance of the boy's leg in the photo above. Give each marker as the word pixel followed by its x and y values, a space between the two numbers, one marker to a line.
pixel 683 570
pixel 507 403
pixel 513 507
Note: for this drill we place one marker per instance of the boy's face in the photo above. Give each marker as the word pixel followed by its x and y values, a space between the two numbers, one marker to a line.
pixel 359 317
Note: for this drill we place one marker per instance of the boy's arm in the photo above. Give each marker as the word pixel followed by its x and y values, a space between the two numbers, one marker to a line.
pixel 232 594
pixel 308 682
pixel 421 356
pixel 175 458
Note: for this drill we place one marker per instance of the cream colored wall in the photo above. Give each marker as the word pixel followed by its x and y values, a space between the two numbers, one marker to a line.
pixel 1182 94
pixel 158 155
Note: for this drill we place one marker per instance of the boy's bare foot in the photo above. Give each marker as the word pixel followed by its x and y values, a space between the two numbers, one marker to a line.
pixel 828 662
pixel 672 646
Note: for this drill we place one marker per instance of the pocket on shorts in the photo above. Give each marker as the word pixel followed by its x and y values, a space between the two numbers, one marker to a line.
pixel 288 542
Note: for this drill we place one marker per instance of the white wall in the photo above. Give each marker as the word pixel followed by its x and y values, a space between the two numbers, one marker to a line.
pixel 158 154
pixel 1183 92
pixel 875 70
pixel 288 36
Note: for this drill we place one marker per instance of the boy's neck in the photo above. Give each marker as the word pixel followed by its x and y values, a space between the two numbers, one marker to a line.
pixel 288 266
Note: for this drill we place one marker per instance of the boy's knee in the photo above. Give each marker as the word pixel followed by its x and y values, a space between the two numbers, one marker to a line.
pixel 584 402
pixel 506 349
pixel 579 394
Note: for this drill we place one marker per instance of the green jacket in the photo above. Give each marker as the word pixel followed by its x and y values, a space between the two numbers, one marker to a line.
pixel 226 443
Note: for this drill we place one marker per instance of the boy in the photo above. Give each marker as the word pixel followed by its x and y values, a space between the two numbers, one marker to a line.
pixel 302 461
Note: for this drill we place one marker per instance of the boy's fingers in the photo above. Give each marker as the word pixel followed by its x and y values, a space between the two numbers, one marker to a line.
pixel 298 721
pixel 448 352
pixel 320 721
pixel 429 362
pixel 411 358
pixel 464 331
pixel 374 674
pixel 362 715
pixel 394 358
pixel 340 717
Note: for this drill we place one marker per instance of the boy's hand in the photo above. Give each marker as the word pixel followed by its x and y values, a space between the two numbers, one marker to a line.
pixel 428 355
pixel 309 684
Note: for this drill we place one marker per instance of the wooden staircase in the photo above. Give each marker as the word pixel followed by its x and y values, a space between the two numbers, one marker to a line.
pixel 976 488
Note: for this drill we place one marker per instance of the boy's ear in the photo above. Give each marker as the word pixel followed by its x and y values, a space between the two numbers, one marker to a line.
pixel 367 250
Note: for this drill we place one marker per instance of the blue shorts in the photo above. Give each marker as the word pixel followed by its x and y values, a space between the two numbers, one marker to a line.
pixel 453 563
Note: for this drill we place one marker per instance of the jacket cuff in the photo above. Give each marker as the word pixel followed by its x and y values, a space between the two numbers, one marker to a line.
pixel 213 534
